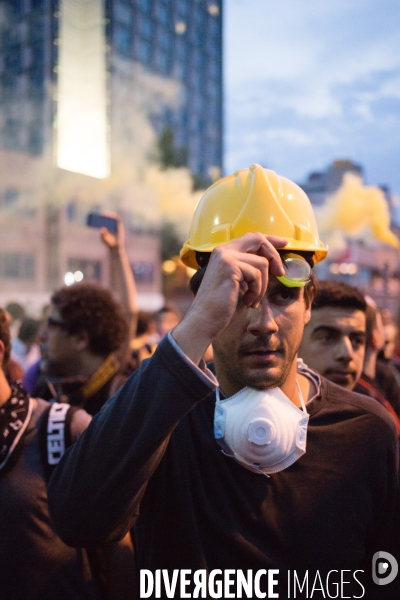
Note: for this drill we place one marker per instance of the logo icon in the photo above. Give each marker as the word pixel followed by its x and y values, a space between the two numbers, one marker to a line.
pixel 384 568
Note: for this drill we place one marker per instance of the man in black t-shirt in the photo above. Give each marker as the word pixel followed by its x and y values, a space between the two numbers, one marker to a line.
pixel 264 470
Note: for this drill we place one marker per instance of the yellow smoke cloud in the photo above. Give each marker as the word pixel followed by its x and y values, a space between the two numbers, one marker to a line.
pixel 355 211
pixel 176 199
pixel 136 186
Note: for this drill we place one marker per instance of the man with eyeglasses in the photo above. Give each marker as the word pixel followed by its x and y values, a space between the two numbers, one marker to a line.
pixel 252 475
pixel 85 338
pixel 80 344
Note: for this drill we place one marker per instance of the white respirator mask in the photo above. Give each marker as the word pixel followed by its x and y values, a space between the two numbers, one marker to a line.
pixel 261 429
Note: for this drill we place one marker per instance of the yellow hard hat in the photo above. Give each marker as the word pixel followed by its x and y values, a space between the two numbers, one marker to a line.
pixel 253 200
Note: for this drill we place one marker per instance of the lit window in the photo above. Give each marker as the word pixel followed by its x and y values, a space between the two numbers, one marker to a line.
pixel 213 9
pixel 180 27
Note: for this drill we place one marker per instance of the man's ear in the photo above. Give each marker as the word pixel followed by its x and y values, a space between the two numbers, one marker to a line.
pixel 81 340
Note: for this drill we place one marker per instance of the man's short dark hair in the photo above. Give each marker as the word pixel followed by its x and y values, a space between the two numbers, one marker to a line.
pixel 92 308
pixel 5 337
pixel 337 294
pixel 203 258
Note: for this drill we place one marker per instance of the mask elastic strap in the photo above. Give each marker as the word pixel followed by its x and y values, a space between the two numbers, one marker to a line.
pixel 303 406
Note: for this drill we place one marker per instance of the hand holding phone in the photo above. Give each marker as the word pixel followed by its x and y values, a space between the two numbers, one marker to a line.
pixel 100 220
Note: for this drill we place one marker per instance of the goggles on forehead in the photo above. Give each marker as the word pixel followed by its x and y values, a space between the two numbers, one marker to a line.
pixel 297 271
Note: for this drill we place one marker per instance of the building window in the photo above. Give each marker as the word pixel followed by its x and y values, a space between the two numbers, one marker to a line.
pixel 162 60
pixel 11 127
pixel 123 14
pixel 163 13
pixel 163 39
pixel 35 139
pixel 71 211
pixel 181 49
pixel 18 6
pixel 17 265
pixel 36 81
pixel 144 27
pixel 9 37
pixel 13 59
pixel 90 269
pixel 36 29
pixel 199 18
pixel 10 196
pixel 143 50
pixel 144 5
pixel 212 89
pixel 181 7
pixel 37 52
pixel 198 61
pixel 198 36
pixel 214 28
pixel 37 4
pixel 122 37
pixel 143 272
pixel 180 70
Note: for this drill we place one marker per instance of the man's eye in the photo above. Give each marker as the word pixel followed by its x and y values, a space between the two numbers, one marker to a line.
pixel 285 294
pixel 358 341
pixel 326 337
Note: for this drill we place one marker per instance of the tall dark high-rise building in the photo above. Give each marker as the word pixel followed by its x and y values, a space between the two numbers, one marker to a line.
pixel 180 39
pixel 60 64
pixel 92 93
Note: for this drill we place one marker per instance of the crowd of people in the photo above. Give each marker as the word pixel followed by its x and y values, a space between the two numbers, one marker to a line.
pixel 125 451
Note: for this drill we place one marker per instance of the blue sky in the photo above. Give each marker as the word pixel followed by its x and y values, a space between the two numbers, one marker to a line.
pixel 307 82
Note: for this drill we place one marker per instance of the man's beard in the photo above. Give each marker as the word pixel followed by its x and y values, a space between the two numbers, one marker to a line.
pixel 267 377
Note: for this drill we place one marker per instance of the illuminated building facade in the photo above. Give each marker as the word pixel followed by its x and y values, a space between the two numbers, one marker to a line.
pixel 67 72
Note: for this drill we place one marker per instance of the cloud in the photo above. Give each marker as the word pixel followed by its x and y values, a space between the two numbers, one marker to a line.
pixel 310 82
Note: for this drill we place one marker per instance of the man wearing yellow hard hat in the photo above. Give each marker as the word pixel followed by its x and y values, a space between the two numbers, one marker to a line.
pixel 260 479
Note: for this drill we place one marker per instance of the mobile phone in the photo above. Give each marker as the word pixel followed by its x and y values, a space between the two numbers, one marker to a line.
pixel 99 220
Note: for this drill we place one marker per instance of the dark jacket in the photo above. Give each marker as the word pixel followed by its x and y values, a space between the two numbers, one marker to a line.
pixel 149 459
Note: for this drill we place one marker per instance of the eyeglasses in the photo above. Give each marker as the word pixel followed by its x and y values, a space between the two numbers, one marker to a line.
pixel 297 271
pixel 51 322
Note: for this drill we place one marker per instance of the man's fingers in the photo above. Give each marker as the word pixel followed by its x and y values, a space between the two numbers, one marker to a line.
pixel 277 241
pixel 268 249
pixel 253 283
pixel 265 246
